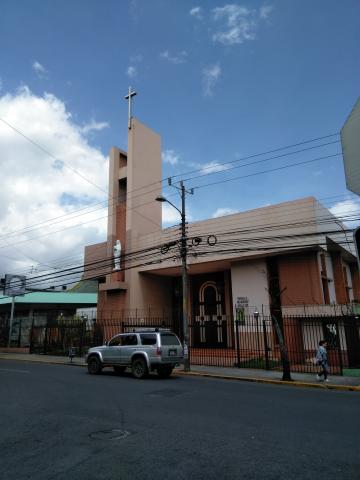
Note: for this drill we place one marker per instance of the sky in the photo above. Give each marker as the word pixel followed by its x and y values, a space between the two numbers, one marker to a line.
pixel 218 80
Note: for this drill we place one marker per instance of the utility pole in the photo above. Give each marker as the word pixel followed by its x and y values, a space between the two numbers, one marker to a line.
pixel 185 280
pixel 11 319
pixel 184 272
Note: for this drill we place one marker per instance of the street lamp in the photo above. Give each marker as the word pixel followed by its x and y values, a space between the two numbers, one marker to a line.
pixel 160 198
pixel 183 253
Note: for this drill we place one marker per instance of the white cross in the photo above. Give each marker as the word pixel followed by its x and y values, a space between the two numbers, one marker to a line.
pixel 129 97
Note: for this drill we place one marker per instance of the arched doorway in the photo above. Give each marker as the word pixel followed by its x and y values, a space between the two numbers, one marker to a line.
pixel 210 319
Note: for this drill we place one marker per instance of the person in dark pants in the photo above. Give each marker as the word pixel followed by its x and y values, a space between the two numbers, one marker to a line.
pixel 322 361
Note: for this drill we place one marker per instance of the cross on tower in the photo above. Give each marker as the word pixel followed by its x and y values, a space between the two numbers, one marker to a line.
pixel 129 97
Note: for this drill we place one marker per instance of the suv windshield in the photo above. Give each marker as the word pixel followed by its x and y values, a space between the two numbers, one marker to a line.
pixel 169 339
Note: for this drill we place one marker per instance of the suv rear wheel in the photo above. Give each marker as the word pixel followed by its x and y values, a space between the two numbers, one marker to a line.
pixel 139 368
pixel 94 366
pixel 164 371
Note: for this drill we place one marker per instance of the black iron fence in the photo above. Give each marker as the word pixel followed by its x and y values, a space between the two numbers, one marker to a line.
pixel 252 342
pixel 249 342
pixel 48 335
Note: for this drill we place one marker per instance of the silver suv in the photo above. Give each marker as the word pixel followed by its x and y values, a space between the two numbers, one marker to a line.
pixel 142 351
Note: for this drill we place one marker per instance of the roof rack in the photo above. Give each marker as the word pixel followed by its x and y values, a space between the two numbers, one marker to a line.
pixel 150 329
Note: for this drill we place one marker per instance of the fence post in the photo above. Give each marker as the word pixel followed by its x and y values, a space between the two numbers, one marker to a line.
pixel 31 334
pixel 339 348
pixel 267 366
pixel 46 338
pixel 82 333
pixel 19 334
pixel 237 343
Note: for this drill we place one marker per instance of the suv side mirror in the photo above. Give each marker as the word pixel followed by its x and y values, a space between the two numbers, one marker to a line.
pixel 106 342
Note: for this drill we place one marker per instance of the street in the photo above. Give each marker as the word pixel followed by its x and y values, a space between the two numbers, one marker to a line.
pixel 59 422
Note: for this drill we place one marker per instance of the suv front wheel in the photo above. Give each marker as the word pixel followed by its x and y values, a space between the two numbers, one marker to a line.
pixel 139 368
pixel 94 365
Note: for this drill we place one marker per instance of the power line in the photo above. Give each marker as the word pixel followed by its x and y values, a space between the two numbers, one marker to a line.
pixel 51 155
pixel 259 154
pixel 141 254
pixel 267 171
pixel 295 209
pixel 186 173
pixel 256 162
pixel 270 151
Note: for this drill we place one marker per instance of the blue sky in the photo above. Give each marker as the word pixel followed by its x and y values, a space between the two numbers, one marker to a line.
pixel 217 80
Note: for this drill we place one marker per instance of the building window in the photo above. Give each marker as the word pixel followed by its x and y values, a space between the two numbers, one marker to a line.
pixel 324 279
pixel 347 286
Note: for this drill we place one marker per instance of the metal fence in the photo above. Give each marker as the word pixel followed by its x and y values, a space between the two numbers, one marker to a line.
pixel 48 335
pixel 248 342
pixel 252 342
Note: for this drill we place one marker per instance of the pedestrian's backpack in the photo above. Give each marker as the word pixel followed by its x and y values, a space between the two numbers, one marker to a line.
pixel 319 357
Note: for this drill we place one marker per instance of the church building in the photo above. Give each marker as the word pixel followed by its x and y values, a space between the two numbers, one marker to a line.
pixel 280 258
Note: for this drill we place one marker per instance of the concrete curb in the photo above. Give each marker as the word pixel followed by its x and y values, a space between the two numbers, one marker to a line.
pixel 44 362
pixel 349 388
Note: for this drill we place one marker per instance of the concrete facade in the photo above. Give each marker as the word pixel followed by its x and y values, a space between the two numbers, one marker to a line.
pixel 296 247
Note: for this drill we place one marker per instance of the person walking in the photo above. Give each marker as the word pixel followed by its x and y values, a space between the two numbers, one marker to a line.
pixel 322 361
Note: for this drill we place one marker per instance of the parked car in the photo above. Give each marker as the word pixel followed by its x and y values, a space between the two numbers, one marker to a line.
pixel 143 351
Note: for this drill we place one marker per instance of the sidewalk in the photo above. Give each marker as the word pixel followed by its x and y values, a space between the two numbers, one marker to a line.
pixel 244 374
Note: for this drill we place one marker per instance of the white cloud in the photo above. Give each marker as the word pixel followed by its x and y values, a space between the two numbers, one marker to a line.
pixel 36 188
pixel 134 10
pixel 40 70
pixel 169 156
pixel 93 125
pixel 238 23
pixel 176 59
pixel 136 58
pixel 131 71
pixel 265 11
pixel 211 75
pixel 170 214
pixel 196 12
pixel 221 212
pixel 346 211
pixel 213 167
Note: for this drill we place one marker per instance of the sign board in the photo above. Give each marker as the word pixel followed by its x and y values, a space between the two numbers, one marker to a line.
pixel 14 285
pixel 350 143
pixel 240 308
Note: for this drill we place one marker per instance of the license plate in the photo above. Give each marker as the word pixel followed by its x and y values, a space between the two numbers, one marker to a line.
pixel 172 353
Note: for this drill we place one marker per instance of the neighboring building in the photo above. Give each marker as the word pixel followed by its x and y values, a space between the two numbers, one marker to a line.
pixel 281 259
pixel 41 310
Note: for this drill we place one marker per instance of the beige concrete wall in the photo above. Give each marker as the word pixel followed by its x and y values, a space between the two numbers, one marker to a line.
pixel 143 181
pixel 252 230
pixel 95 264
pixel 143 214
pixel 249 279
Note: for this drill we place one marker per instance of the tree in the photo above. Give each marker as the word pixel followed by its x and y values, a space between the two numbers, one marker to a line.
pixel 283 350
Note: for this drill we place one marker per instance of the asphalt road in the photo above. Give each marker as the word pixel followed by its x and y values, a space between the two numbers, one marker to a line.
pixel 58 422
